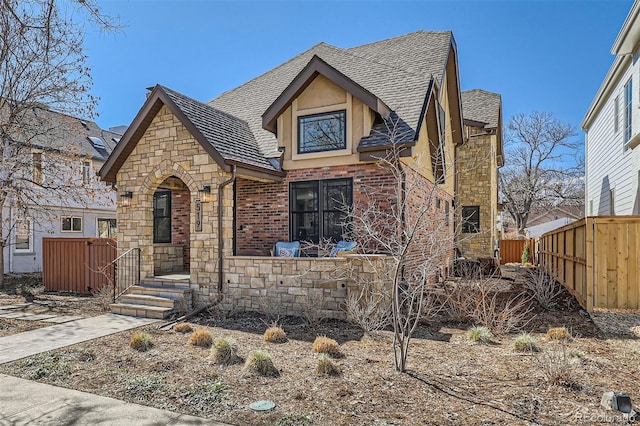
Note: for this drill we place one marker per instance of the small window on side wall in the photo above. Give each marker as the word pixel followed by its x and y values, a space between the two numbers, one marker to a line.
pixel 24 236
pixel 107 228
pixel 322 132
pixel 71 224
pixel 471 219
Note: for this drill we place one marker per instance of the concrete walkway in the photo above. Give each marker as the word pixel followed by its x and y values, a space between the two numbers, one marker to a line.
pixel 30 403
pixel 44 339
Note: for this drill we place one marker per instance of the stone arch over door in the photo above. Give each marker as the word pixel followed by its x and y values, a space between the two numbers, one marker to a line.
pixel 173 184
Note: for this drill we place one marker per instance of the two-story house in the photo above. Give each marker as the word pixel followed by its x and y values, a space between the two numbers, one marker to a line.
pixel 612 128
pixel 212 184
pixel 56 191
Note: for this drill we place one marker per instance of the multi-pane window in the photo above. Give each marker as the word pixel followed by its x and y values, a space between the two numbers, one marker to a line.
pixel 162 217
pixel 322 132
pixel 24 240
pixel 318 209
pixel 86 171
pixel 470 219
pixel 628 96
pixel 71 224
pixel 107 228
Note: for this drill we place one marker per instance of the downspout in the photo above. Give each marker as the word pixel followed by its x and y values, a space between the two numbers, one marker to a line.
pixel 220 227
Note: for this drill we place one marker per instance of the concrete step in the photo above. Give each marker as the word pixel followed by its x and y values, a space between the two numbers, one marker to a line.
pixel 142 311
pixel 147 300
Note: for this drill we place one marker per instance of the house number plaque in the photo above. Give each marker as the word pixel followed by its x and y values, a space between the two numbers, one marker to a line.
pixel 198 216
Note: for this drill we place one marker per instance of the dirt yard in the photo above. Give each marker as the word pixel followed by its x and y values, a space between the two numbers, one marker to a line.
pixel 451 380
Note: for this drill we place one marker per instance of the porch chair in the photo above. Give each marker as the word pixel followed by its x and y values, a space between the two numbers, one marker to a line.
pixel 291 249
pixel 342 246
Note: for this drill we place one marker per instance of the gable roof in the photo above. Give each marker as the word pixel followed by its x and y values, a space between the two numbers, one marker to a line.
pixel 227 139
pixel 396 71
pixel 482 106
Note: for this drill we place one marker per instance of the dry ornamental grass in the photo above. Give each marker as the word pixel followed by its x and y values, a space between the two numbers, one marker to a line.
pixel 140 341
pixel 325 345
pixel 260 363
pixel 201 338
pixel 275 335
pixel 183 327
pixel 225 352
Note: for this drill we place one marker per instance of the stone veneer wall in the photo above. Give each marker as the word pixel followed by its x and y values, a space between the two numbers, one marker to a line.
pixel 477 183
pixel 167 258
pixel 295 286
pixel 168 149
pixel 262 209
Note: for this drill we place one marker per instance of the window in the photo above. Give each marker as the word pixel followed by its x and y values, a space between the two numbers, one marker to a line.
pixel 86 171
pixel 322 132
pixel 628 91
pixel 612 198
pixel 317 209
pixel 71 224
pixel 162 217
pixel 37 167
pixel 446 213
pixel 616 114
pixel 107 228
pixel 439 164
pixel 471 219
pixel 24 236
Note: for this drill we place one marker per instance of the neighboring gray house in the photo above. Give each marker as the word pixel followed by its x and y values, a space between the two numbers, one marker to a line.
pixel 68 151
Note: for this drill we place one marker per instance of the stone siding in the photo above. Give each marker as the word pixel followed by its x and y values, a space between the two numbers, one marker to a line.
pixel 478 186
pixel 167 258
pixel 299 286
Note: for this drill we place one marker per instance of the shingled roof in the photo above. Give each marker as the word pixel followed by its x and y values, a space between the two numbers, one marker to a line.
pixel 481 106
pixel 398 71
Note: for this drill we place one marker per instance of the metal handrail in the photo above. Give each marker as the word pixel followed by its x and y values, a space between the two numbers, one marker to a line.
pixel 126 272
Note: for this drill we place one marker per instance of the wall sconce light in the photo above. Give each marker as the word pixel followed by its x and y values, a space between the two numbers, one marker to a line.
pixel 204 194
pixel 125 198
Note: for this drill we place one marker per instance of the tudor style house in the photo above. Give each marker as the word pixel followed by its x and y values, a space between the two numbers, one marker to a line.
pixel 612 127
pixel 62 196
pixel 477 185
pixel 210 188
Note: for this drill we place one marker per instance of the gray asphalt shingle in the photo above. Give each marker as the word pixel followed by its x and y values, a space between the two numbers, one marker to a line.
pixel 480 105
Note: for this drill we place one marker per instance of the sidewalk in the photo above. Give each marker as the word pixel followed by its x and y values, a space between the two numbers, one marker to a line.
pixel 44 339
pixel 31 403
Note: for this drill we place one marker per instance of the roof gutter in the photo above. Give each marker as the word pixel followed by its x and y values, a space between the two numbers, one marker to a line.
pixel 220 227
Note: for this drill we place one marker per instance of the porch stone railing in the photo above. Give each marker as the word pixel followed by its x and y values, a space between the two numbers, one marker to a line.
pixel 293 286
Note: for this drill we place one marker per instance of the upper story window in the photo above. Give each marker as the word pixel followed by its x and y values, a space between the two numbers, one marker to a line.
pixel 470 219
pixel 37 167
pixel 628 96
pixel 86 172
pixel 322 132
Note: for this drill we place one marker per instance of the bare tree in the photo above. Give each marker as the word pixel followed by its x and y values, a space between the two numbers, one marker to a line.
pixel 42 69
pixel 535 173
pixel 402 220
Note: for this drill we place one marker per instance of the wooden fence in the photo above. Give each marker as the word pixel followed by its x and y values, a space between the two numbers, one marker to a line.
pixel 511 251
pixel 77 264
pixel 597 259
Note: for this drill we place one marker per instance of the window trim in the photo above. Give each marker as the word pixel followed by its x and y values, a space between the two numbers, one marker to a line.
pixel 86 172
pixel 30 249
pixel 616 114
pixel 62 218
pixel 299 133
pixel 628 112
pixel 468 226
pixel 319 186
pixel 170 216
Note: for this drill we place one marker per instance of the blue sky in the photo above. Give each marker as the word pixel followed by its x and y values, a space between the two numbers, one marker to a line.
pixel 540 55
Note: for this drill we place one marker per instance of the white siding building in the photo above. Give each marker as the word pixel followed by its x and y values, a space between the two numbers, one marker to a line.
pixel 612 127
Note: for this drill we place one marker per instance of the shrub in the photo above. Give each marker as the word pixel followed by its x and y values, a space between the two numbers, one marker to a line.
pixel 499 317
pixel 260 363
pixel 543 287
pixel 225 352
pixel 275 334
pixel 140 341
pixel 369 309
pixel 558 333
pixel 327 367
pixel 525 342
pixel 479 333
pixel 201 338
pixel 526 254
pixel 183 327
pixel 559 368
pixel 325 345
